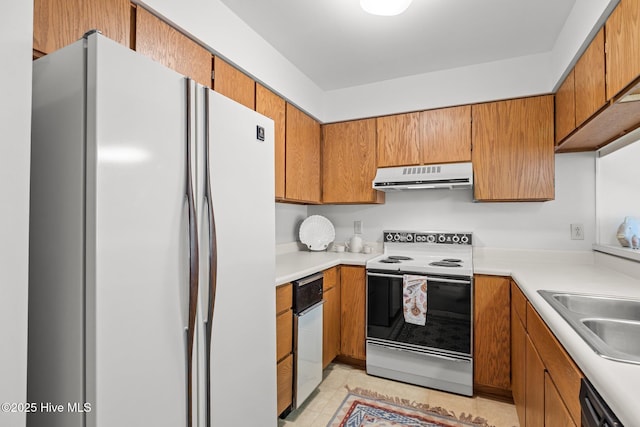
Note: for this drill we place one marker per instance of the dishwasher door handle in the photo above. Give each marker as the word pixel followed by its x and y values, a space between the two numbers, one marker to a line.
pixel 313 307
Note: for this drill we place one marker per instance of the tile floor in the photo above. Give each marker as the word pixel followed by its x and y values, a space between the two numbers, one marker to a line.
pixel 318 410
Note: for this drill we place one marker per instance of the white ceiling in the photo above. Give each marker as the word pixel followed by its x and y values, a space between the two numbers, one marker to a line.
pixel 337 45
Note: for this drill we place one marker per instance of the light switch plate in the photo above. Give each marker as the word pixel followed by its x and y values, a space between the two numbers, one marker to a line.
pixel 357 227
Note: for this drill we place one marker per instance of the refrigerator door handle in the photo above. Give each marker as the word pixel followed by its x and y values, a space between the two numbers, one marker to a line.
pixel 193 255
pixel 213 257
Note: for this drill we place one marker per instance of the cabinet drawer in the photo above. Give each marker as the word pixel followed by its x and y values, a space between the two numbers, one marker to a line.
pixel 519 303
pixel 330 278
pixel 284 298
pixel 284 334
pixel 285 383
pixel 562 369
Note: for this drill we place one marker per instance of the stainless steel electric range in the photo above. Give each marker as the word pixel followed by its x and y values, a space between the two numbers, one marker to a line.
pixel 429 345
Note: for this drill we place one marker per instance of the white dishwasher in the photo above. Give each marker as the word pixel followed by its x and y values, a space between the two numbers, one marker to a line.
pixel 307 307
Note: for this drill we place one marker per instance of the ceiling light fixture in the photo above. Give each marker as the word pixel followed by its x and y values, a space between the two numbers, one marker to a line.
pixel 385 7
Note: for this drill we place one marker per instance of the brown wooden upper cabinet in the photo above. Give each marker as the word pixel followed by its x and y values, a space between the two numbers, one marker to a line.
pixel 427 137
pixel 274 107
pixel 302 157
pixel 566 107
pixel 513 149
pixel 349 162
pixel 622 32
pixel 445 135
pixel 168 46
pixel 583 92
pixel 590 80
pixel 398 139
pixel 233 83
pixel 58 23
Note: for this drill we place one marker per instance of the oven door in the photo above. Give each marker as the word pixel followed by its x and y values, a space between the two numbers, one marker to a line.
pixel 449 326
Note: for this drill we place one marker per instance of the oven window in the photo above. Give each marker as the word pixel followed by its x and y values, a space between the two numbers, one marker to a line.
pixel 448 325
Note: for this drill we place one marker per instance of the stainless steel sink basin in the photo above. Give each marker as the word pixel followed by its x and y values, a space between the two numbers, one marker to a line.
pixel 610 325
pixel 621 335
pixel 600 306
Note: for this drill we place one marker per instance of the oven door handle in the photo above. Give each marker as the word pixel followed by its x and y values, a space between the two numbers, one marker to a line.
pixel 435 279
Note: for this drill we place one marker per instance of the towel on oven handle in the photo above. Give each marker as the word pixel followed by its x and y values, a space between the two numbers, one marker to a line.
pixel 414 297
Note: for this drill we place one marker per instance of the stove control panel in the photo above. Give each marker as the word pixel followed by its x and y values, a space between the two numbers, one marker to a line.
pixel 435 237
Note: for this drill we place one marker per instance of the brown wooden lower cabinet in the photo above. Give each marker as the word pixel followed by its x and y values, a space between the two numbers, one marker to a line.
pixel 284 345
pixel 518 343
pixel 492 335
pixel 547 374
pixel 555 411
pixel 353 300
pixel 285 383
pixel 331 316
pixel 534 386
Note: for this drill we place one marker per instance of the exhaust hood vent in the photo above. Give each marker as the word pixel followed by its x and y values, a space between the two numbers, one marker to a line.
pixel 450 175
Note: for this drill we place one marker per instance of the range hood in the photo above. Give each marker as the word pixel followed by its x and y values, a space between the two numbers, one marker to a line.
pixel 449 175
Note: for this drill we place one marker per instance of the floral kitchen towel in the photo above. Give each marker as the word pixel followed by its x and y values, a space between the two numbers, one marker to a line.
pixel 414 295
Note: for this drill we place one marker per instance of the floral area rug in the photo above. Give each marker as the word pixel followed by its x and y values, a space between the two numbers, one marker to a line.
pixel 363 408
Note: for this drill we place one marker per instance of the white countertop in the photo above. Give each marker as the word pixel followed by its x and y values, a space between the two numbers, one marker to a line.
pixel 295 265
pixel 617 382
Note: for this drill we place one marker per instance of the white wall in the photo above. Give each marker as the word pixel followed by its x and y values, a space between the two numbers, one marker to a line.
pixel 288 220
pixel 16 33
pixel 531 225
pixel 215 26
pixel 617 191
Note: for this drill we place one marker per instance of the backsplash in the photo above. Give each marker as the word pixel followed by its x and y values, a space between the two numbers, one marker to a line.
pixel 524 225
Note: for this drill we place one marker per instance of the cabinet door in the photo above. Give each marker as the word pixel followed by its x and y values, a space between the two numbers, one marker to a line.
pixel 302 162
pixel 518 367
pixel 331 316
pixel 233 83
pixel 398 140
pixel 566 107
pixel 168 46
pixel 58 23
pixel 534 386
pixel 513 149
pixel 556 413
pixel 446 135
pixel 492 334
pixel 622 32
pixel 285 383
pixel 349 162
pixel 589 80
pixel 274 107
pixel 353 299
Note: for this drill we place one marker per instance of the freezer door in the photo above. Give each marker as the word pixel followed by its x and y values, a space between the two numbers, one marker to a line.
pixel 241 358
pixel 137 244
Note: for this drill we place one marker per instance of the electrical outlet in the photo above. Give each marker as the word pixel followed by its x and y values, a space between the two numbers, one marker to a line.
pixel 357 227
pixel 577 232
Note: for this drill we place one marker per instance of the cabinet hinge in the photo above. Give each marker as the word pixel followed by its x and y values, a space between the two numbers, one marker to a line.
pixel 213 74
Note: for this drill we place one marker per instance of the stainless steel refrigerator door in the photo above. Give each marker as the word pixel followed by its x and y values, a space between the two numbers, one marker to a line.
pixel 242 356
pixel 137 246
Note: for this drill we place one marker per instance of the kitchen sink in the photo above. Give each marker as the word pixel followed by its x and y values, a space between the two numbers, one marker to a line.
pixel 621 335
pixel 610 325
pixel 600 306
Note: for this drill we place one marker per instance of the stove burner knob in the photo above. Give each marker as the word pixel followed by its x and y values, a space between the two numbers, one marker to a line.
pixel 396 237
pixel 441 238
pixel 389 236
pixel 456 238
pixel 409 237
pixel 431 238
pixel 464 239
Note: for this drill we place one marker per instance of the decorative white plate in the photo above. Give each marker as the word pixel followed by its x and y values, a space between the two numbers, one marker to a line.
pixel 317 232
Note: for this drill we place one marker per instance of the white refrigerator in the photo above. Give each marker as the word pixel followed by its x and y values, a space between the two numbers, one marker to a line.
pixel 151 290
